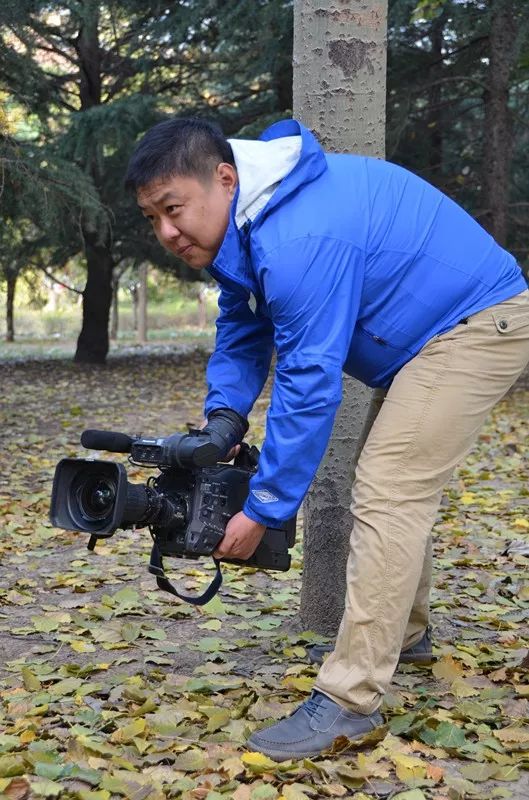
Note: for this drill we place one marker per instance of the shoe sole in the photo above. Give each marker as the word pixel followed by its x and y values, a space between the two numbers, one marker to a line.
pixel 418 659
pixel 278 756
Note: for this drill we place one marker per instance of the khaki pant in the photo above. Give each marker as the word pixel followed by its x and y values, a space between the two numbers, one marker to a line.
pixel 428 421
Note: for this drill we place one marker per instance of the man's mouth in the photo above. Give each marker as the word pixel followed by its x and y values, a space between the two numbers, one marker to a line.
pixel 183 250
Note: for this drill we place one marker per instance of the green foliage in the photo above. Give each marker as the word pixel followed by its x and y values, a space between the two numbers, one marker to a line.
pixel 83 80
pixel 96 76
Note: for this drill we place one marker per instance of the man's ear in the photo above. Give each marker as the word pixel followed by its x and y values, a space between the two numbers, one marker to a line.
pixel 227 175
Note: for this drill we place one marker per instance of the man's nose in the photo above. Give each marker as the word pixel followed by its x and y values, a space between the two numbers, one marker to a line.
pixel 168 231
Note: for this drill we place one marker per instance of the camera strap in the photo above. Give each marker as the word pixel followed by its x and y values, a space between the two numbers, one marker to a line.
pixel 156 568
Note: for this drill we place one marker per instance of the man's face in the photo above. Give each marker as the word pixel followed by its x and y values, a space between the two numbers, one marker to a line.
pixel 190 215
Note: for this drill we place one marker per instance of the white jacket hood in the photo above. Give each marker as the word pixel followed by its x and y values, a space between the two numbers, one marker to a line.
pixel 261 166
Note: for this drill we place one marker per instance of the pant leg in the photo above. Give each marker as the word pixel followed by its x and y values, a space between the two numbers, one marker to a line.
pixel 420 611
pixel 429 420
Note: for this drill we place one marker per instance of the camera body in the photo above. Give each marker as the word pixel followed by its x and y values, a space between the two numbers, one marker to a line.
pixel 186 506
pixel 186 510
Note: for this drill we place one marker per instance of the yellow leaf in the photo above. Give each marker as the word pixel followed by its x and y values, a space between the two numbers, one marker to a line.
pixel 303 684
pixel 513 733
pixel 448 669
pixel 257 762
pixel 128 732
pixel 293 792
pixel 81 646
pixel 520 522
pixel 461 688
pixel 408 767
pixel 467 498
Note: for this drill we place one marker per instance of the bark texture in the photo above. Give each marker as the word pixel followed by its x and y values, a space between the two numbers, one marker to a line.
pixel 114 311
pixel 10 307
pixel 93 341
pixel 340 93
pixel 142 303
pixel 503 48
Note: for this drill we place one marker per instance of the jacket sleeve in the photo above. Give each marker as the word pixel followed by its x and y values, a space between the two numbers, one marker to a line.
pixel 239 365
pixel 312 287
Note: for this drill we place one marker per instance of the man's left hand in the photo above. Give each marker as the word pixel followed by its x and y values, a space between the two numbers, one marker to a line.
pixel 241 538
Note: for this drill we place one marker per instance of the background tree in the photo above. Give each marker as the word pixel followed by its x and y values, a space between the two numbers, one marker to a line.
pixel 35 194
pixel 458 75
pixel 93 76
pixel 339 92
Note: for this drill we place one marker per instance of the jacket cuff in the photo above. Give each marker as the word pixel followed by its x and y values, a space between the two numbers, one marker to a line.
pixel 268 521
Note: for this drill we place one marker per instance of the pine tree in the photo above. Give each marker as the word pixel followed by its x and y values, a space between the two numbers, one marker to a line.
pixel 93 76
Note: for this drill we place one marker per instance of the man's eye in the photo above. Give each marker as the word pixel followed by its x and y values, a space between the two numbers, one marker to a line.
pixel 172 209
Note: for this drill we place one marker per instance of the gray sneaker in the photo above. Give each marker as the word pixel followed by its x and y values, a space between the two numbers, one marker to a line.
pixel 419 653
pixel 311 729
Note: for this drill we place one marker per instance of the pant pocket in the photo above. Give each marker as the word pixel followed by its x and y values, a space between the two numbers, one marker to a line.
pixel 511 320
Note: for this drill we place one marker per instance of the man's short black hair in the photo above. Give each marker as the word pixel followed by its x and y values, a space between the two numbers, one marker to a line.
pixel 186 146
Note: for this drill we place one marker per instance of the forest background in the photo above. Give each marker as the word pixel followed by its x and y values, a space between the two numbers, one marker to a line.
pixel 80 81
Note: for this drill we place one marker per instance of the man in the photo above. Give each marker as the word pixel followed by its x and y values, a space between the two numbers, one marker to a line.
pixel 341 262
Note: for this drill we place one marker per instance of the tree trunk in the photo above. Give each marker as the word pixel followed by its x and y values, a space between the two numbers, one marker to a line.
pixel 435 116
pixel 10 307
pixel 142 304
pixel 92 345
pixel 114 311
pixel 339 92
pixel 497 155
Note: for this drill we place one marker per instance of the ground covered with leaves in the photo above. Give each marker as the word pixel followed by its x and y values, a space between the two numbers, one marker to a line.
pixel 111 688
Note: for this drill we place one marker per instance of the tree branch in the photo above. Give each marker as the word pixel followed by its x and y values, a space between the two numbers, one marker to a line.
pixel 54 279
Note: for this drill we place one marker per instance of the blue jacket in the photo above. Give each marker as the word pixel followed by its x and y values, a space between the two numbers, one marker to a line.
pixel 353 265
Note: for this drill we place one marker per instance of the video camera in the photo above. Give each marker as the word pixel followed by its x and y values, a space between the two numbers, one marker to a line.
pixel 186 506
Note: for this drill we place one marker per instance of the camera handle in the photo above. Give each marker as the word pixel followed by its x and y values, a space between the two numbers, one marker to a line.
pixel 156 568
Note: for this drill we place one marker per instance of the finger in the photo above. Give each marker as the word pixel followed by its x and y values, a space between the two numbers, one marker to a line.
pixel 223 550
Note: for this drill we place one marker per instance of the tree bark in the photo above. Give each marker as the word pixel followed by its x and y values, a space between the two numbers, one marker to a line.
pixel 435 116
pixel 142 303
pixel 497 155
pixel 114 311
pixel 10 307
pixel 93 342
pixel 339 92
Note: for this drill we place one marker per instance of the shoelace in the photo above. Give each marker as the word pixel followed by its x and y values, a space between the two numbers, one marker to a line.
pixel 313 706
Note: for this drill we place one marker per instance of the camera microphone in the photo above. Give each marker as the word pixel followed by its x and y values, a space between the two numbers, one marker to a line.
pixel 107 440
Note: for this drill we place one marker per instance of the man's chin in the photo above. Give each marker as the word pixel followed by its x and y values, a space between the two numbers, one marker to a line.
pixel 194 259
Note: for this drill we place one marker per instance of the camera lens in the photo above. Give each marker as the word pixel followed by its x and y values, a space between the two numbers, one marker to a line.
pixel 96 496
